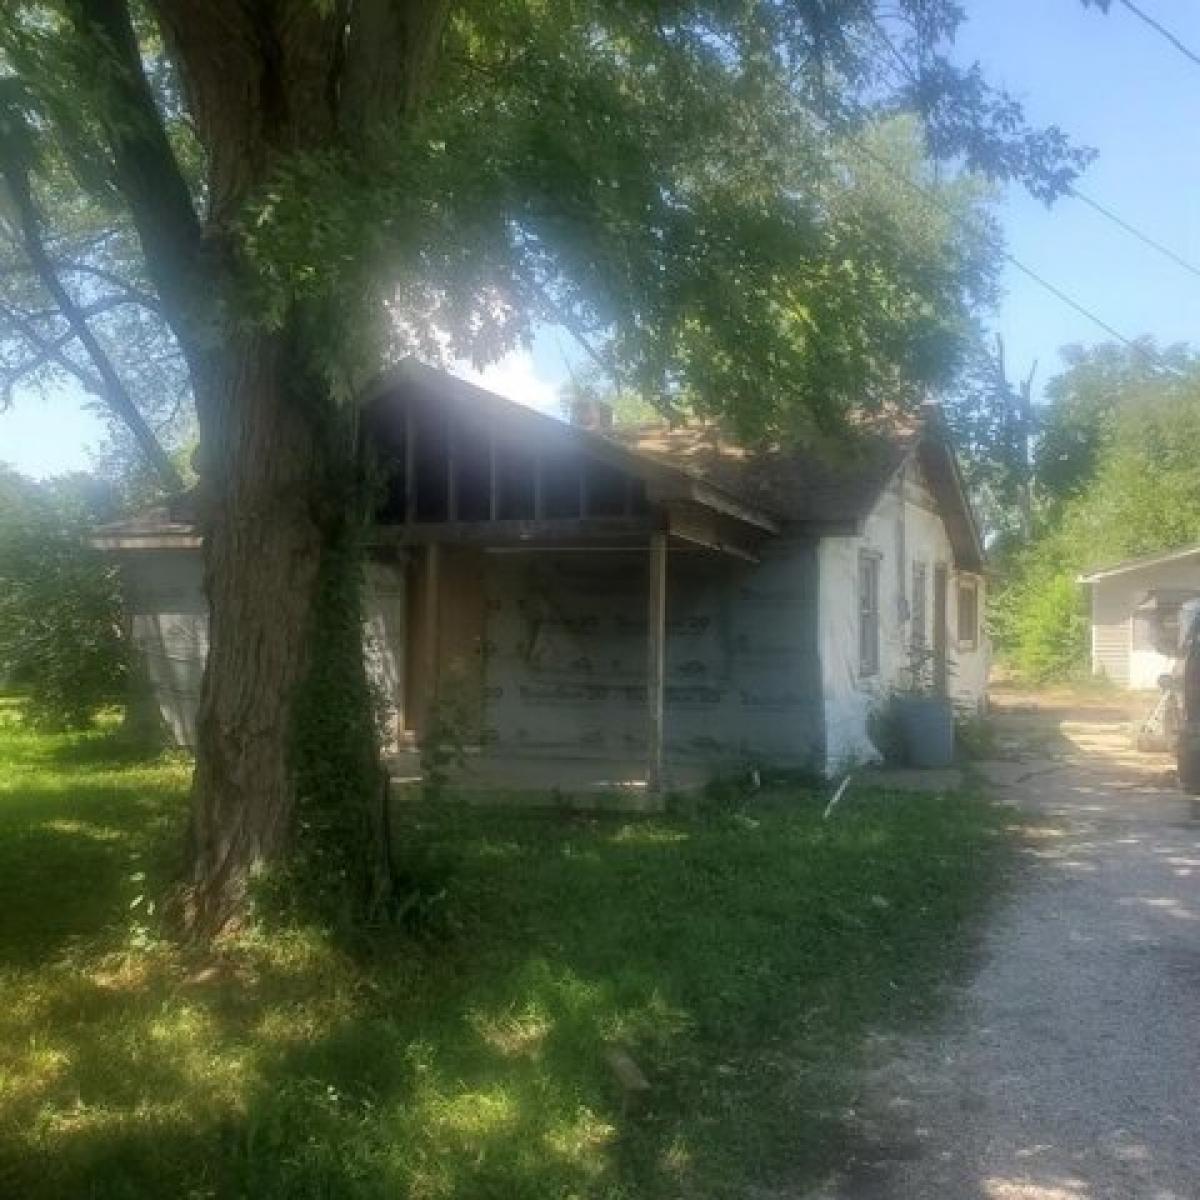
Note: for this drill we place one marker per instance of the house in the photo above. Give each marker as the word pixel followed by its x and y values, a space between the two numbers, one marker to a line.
pixel 1135 614
pixel 660 603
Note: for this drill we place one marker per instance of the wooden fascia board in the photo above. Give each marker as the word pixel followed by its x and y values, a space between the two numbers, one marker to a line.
pixel 555 532
pixel 975 560
pixel 713 498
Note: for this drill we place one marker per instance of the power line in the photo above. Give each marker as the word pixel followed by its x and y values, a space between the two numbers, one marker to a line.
pixel 1012 259
pixel 1178 259
pixel 1054 290
pixel 1162 31
pixel 1102 209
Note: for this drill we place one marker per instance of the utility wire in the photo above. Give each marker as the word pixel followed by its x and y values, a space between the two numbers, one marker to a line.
pixel 1178 259
pixel 1028 271
pixel 1162 31
pixel 1082 197
pixel 959 219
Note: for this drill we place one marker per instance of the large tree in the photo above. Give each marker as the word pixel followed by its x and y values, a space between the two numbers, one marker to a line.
pixel 313 184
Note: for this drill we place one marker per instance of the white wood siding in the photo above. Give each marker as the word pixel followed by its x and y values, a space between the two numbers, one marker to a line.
pixel 1112 604
pixel 904 528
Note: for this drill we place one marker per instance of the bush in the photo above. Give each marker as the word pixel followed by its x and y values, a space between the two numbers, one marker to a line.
pixel 974 737
pixel 1046 627
pixel 60 605
pixel 883 728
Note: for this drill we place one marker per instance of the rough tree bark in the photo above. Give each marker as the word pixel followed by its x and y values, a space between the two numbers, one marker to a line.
pixel 262 81
pixel 263 545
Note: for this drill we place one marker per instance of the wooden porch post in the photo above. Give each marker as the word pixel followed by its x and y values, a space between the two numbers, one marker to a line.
pixel 432 607
pixel 656 641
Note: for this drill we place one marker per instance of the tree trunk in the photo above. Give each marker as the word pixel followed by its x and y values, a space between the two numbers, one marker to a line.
pixel 263 543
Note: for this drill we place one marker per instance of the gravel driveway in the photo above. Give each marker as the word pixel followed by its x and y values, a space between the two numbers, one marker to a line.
pixel 1072 1070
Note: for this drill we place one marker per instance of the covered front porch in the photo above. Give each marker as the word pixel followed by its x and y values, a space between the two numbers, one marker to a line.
pixel 530 582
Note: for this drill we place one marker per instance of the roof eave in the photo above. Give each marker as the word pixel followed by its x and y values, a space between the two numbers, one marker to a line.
pixel 1138 564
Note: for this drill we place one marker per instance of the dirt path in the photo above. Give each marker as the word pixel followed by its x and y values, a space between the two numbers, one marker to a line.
pixel 1073 1069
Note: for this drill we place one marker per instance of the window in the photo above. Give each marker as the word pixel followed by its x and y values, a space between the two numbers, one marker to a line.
pixel 919 593
pixel 868 613
pixel 968 614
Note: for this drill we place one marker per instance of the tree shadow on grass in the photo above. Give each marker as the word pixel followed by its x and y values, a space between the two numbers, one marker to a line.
pixel 738 960
pixel 81 828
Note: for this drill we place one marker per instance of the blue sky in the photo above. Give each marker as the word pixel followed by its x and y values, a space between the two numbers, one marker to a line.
pixel 1111 82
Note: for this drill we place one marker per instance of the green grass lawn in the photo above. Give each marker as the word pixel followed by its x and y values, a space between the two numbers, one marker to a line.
pixel 739 955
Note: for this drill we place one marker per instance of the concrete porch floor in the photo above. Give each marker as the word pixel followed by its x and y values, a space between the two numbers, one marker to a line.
pixel 580 783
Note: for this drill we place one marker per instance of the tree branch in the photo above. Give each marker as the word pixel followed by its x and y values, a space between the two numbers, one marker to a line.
pixel 45 352
pixel 129 293
pixel 390 54
pixel 148 176
pixel 110 388
pixel 46 349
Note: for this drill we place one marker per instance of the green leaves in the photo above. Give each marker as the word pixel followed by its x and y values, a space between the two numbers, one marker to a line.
pixel 675 183
pixel 60 614
pixel 683 187
pixel 1117 476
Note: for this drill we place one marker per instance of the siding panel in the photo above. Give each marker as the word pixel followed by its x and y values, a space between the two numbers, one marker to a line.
pixel 1111 605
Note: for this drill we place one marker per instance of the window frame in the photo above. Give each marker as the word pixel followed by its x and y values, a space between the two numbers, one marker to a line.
pixel 869 623
pixel 919 606
pixel 971 585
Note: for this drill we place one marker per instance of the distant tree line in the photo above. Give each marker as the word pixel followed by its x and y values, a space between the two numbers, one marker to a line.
pixel 1111 465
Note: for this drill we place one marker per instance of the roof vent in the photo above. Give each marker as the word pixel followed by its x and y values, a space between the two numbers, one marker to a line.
pixel 592 414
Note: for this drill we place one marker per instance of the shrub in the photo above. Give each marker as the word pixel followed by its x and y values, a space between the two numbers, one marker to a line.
pixel 886 734
pixel 1047 627
pixel 974 737
pixel 60 605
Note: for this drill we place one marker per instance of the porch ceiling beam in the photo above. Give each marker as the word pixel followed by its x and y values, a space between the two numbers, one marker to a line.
pixel 702 527
pixel 507 533
pixel 524 430
pixel 693 491
pixel 717 547
pixel 147 541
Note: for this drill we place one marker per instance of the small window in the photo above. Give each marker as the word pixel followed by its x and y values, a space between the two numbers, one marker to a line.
pixel 968 614
pixel 868 613
pixel 920 590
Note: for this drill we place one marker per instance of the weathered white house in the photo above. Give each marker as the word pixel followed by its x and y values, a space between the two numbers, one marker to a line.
pixel 1135 614
pixel 657 602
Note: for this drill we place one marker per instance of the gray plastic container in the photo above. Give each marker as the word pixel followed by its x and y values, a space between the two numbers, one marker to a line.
pixel 927 727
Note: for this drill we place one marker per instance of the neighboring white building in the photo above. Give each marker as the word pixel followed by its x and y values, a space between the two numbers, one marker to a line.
pixel 1135 614
pixel 610 593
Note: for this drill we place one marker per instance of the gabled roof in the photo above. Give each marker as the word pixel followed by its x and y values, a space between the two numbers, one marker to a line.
pixel 1139 564
pixel 530 427
pixel 829 492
